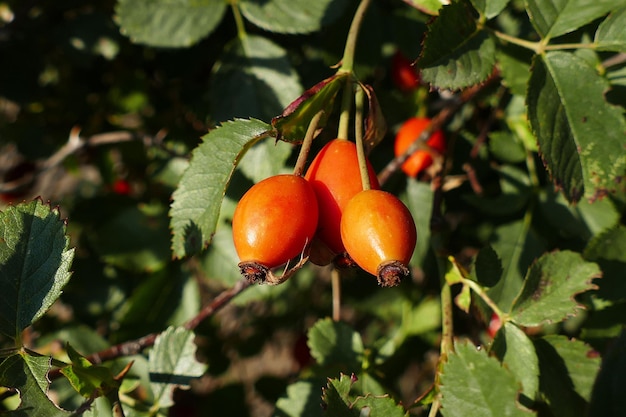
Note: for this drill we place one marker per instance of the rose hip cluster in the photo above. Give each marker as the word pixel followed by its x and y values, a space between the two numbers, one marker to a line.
pixel 325 214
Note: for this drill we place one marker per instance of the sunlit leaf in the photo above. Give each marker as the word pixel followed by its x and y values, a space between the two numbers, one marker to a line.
pixel 28 374
pixel 550 286
pixel 610 35
pixel 552 18
pixel 427 6
pixel 292 16
pixel 165 23
pixel 474 384
pixel 516 351
pixel 87 379
pixel 582 145
pixel 456 58
pixel 173 364
pixel 197 201
pixel 253 78
pixel 490 8
pixel 334 342
pixel 34 263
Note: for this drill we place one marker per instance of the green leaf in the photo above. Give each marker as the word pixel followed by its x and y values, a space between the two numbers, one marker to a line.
pixel 172 364
pixel 253 78
pixel 337 402
pixel 516 246
pixel 610 35
pixel 88 380
pixel 34 263
pixel 553 18
pixel 517 353
pixel 456 58
pixel 568 369
pixel 333 343
pixel 419 200
pixel 580 135
pixel 607 398
pixel 550 286
pixel 265 159
pixel 198 198
pixel 427 6
pixel 378 406
pixel 136 238
pixel 486 267
pixel 168 23
pixel 489 8
pixel 608 249
pixel 291 125
pixel 302 400
pixel 292 16
pixel 474 384
pixel 29 376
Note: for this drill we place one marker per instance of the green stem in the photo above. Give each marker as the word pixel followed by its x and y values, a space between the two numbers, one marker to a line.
pixel 536 47
pixel 335 279
pixel 346 106
pixel 241 27
pixel 480 291
pixel 561 46
pixel 306 144
pixel 347 61
pixel 358 134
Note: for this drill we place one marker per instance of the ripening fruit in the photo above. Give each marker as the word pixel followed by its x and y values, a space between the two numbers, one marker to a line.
pixel 335 177
pixel 421 159
pixel 379 234
pixel 403 73
pixel 273 222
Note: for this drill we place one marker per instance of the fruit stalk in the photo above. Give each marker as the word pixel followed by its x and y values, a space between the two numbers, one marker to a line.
pixel 358 134
pixel 306 144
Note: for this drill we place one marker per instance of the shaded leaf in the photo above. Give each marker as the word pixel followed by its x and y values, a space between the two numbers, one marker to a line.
pixel 517 352
pixel 568 369
pixel 87 379
pixel 198 198
pixel 486 267
pixel 553 18
pixel 608 398
pixel 265 159
pixel 582 145
pixel 610 35
pixel 474 384
pixel 253 78
pixel 34 263
pixel 302 400
pixel 172 364
pixel 550 286
pixel 419 199
pixel 334 342
pixel 456 58
pixel 336 397
pixel 164 23
pixel 292 16
pixel 291 125
pixel 29 375
pixel 608 249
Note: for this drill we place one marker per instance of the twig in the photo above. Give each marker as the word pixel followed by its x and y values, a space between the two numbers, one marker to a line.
pixel 436 123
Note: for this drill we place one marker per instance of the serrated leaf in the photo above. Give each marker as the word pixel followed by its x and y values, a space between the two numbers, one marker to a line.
pixel 553 18
pixel 550 286
pixel 87 379
pixel 333 342
pixel 198 198
pixel 517 352
pixel 490 8
pixel 166 23
pixel 514 65
pixel 172 364
pixel 580 135
pixel 474 384
pixel 427 6
pixel 337 402
pixel 610 35
pixel 34 263
pixel 456 58
pixel 372 405
pixel 292 16
pixel 253 78
pixel 291 125
pixel 568 370
pixel 28 374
